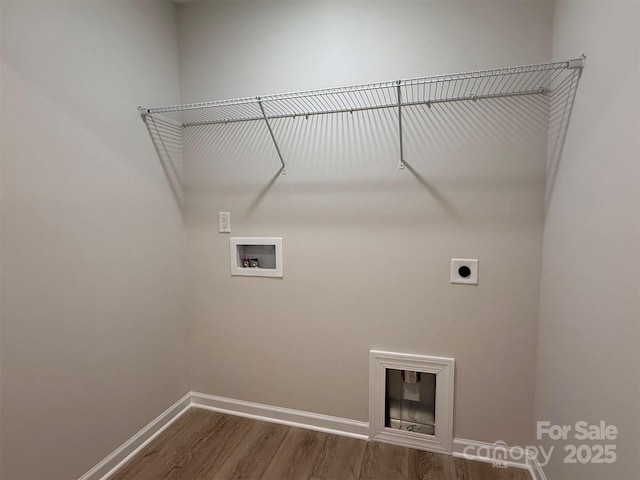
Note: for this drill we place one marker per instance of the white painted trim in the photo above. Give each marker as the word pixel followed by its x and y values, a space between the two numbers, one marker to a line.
pixel 443 368
pixel 284 416
pixel 116 459
pixel 483 452
pixel 516 457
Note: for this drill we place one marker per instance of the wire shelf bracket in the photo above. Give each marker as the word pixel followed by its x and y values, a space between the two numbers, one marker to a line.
pixel 534 79
pixel 273 137
pixel 401 164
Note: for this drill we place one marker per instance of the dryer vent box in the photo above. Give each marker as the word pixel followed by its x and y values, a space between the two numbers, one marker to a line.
pixel 411 400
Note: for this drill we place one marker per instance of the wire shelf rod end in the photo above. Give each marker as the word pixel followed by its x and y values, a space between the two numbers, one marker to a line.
pixel 577 62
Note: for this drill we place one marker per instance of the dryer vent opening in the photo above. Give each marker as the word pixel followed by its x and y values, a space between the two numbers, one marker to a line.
pixel 411 400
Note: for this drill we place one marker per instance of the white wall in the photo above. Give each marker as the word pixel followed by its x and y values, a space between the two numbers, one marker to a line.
pixel 588 355
pixel 367 247
pixel 93 317
pixel 93 328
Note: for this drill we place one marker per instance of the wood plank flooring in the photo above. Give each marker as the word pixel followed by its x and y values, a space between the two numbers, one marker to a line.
pixel 205 445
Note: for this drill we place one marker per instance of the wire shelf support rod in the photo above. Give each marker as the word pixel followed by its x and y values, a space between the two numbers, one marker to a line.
pixel 273 137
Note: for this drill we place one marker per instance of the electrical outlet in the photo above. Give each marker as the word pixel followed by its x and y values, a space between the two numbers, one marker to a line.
pixel 464 270
pixel 224 222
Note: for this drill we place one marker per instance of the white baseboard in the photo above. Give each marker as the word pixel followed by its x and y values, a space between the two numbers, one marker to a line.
pixel 499 454
pixel 484 452
pixel 284 416
pixel 115 460
pixel 535 469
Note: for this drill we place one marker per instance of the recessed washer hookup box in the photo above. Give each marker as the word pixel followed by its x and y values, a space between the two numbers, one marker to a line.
pixel 256 256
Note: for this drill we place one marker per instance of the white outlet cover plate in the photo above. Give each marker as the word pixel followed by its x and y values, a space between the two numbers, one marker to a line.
pixel 224 222
pixel 471 263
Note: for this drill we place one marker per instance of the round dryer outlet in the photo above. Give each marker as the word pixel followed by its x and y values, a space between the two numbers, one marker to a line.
pixel 464 270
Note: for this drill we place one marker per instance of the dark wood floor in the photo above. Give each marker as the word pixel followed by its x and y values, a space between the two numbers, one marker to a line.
pixel 208 445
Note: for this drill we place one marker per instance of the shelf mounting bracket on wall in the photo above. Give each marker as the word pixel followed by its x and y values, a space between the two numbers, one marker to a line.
pixel 273 137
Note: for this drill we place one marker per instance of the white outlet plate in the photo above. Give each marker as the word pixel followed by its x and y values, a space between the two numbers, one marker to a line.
pixel 224 222
pixel 464 270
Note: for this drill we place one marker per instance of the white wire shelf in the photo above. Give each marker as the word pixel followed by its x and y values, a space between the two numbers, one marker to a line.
pixel 536 79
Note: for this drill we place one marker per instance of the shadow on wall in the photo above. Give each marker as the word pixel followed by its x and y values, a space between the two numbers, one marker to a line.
pixel 560 109
pixel 434 192
pixel 167 140
pixel 467 146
